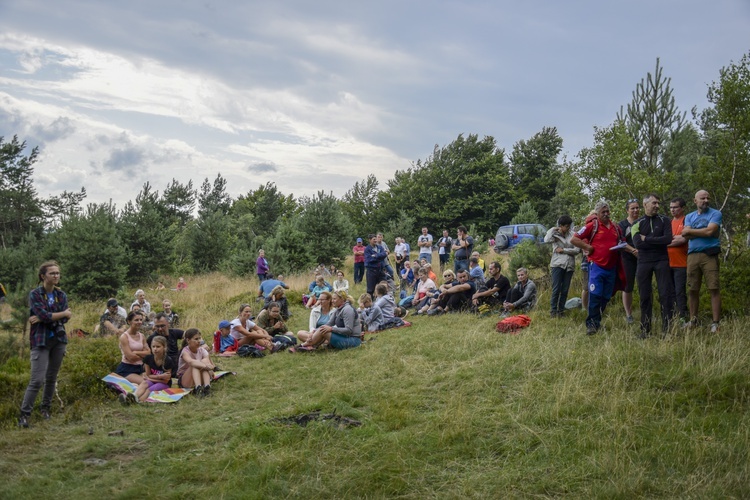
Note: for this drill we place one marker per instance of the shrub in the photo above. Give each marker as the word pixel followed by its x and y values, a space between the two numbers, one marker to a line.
pixel 530 255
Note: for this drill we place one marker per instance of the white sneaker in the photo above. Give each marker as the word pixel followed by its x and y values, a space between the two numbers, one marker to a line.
pixel 714 327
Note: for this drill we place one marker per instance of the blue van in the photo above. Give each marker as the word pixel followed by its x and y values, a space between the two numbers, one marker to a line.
pixel 509 236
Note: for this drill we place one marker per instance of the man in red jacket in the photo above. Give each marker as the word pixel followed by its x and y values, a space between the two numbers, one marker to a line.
pixel 598 239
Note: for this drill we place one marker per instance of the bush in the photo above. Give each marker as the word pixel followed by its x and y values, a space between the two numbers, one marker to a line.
pixel 530 255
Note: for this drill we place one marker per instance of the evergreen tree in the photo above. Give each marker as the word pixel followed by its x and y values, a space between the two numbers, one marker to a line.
pixel 534 170
pixel 20 209
pixel 360 204
pixel 652 120
pixel 89 249
pixel 327 230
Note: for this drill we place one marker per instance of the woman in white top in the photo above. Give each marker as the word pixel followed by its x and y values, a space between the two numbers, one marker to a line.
pixel 246 332
pixel 340 283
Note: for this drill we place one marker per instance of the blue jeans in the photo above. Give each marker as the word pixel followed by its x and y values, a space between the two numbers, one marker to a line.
pixel 560 286
pixel 359 272
pixel 45 364
pixel 461 265
pixel 343 342
pixel 601 287
pixel 426 256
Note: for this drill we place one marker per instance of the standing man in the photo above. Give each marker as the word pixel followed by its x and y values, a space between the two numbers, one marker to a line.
pixel 651 235
pixel 604 263
pixel 359 261
pixel 463 245
pixel 386 265
pixel 444 249
pixel 374 262
pixel 425 246
pixel 401 254
pixel 678 251
pixel 702 232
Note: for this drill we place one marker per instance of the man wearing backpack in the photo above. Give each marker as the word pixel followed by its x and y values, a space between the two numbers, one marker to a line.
pixel 598 239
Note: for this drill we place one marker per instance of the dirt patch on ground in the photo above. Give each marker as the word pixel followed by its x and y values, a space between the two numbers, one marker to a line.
pixel 305 418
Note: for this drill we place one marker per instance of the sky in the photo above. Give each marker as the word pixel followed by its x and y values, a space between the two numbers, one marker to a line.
pixel 317 95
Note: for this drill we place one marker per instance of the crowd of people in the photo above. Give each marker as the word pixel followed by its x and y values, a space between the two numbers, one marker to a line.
pixel 680 253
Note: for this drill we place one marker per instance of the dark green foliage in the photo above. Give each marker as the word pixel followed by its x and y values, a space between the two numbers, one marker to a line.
pixel 360 204
pixel 534 170
pixel 267 205
pixel 327 231
pixel 526 214
pixel 178 201
pixel 90 253
pixel 144 230
pixel 289 249
pixel 20 209
pixel 18 262
pixel 464 183
pixel 210 240
pixel 85 365
pixel 652 120
pixel 529 255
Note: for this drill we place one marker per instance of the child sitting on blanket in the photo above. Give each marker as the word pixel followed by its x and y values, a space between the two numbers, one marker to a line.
pixel 196 368
pixel 223 341
pixel 158 370
pixel 371 315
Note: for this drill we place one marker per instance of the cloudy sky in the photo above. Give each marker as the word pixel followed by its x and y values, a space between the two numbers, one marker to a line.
pixel 317 95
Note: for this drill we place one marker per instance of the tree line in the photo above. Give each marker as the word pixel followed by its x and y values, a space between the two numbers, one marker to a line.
pixel 650 147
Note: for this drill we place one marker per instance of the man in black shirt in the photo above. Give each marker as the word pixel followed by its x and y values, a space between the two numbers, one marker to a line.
pixel 495 289
pixel 173 336
pixel 651 234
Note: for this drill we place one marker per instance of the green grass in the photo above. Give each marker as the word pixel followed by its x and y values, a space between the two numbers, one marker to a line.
pixel 449 408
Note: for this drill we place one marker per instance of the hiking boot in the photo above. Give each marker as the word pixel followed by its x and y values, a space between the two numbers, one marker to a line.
pixel 131 398
pixel 591 330
pixel 123 398
pixel 207 391
pixel 23 421
pixel 198 391
pixel 715 327
pixel 45 414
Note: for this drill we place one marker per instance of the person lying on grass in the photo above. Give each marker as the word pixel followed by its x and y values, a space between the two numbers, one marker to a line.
pixel 196 368
pixel 342 331
pixel 157 375
pixel 247 332
pixel 134 348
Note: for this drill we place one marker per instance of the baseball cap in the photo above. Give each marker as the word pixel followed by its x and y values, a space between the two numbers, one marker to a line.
pixel 224 324
pixel 359 240
pixel 112 303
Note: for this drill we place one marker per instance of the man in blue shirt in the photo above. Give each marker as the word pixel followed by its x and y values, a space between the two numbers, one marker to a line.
pixel 269 284
pixel 375 256
pixel 702 229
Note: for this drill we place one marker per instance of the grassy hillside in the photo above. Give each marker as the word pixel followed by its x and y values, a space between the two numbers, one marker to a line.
pixel 449 408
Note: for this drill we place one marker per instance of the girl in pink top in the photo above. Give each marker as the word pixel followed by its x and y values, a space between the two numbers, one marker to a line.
pixel 195 368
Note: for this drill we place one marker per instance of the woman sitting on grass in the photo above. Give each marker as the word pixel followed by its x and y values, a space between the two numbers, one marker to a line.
pixel 342 331
pixel 271 321
pixel 341 283
pixel 448 278
pixel 157 373
pixel 247 332
pixel 278 296
pixel 320 287
pixel 134 348
pixel 425 291
pixel 196 368
pixel 319 315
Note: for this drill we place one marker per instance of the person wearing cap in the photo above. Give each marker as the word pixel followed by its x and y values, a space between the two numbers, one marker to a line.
pixel 223 341
pixel 112 322
pixel 359 261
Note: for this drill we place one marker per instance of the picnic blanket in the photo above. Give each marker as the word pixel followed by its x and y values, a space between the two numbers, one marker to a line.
pixel 171 395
